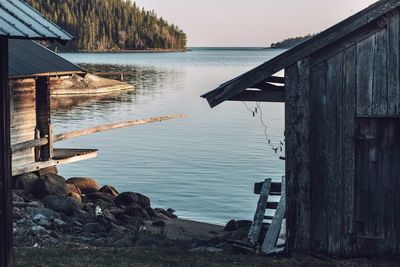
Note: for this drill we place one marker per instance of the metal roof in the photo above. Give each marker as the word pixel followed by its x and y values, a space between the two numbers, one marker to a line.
pixel 30 59
pixel 20 21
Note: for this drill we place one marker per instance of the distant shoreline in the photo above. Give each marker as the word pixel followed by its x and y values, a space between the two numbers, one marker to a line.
pixel 128 51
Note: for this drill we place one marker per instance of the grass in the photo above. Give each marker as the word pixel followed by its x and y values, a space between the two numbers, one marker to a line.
pixel 138 256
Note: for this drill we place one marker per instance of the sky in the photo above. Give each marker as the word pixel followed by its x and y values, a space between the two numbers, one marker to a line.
pixel 251 23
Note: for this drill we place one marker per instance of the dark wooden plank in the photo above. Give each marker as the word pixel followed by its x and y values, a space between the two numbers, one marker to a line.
pixel 331 35
pixel 276 79
pixel 345 43
pixel 380 82
pixel 43 116
pixel 365 74
pixel 393 65
pixel 269 243
pixel 260 96
pixel 334 82
pixel 318 159
pixel 6 228
pixel 347 151
pixel 297 136
pixel 256 226
pixel 275 188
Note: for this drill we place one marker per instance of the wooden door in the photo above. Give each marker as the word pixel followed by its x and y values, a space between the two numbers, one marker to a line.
pixel 377 187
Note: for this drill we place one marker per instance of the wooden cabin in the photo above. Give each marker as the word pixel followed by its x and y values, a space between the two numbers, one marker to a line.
pixel 17 21
pixel 33 72
pixel 341 91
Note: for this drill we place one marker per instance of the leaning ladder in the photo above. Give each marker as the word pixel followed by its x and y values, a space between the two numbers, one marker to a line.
pixel 270 244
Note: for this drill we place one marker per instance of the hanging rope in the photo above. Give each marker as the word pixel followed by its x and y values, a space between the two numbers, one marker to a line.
pixel 258 110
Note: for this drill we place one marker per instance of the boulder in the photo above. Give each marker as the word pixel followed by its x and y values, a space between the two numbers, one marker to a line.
pixel 109 190
pixel 151 212
pixel 48 213
pixel 105 201
pixel 66 205
pixel 166 213
pixel 159 223
pixel 232 225
pixel 128 198
pixel 73 189
pixel 47 170
pixel 25 182
pixel 50 184
pixel 94 228
pixel 100 195
pixel 76 197
pixel 41 220
pixel 135 210
pixel 162 216
pixel 85 184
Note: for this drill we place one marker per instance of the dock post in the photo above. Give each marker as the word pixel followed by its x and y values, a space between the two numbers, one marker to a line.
pixel 6 229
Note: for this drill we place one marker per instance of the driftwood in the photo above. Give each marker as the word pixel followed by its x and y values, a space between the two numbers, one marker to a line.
pixel 98 129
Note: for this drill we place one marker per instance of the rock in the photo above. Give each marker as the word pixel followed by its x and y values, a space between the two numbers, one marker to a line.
pixel 162 216
pixel 73 189
pixel 66 205
pixel 52 170
pixel 25 182
pixel 107 214
pixel 59 223
pixel 105 201
pixel 102 242
pixel 48 213
pixel 244 223
pixel 41 220
pixel 17 198
pixel 76 197
pixel 85 184
pixel 232 225
pixel 93 228
pixel 166 213
pixel 127 198
pixel 122 243
pixel 135 210
pixel 109 190
pixel 159 223
pixel 39 230
pixel 50 184
pixel 171 210
pixel 151 212
pixel 100 195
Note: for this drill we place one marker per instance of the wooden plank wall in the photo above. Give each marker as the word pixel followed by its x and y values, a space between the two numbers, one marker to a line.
pixel 23 119
pixel 344 194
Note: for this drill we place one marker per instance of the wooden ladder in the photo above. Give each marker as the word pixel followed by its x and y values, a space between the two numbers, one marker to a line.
pixel 270 244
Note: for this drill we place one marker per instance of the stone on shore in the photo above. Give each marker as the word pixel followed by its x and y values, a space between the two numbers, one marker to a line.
pixel 166 213
pixel 50 184
pixel 76 197
pixel 66 205
pixel 25 182
pixel 85 184
pixel 232 225
pixel 93 228
pixel 135 210
pixel 108 189
pixel 128 198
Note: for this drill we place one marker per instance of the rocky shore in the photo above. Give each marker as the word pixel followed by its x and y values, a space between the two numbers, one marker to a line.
pixel 50 211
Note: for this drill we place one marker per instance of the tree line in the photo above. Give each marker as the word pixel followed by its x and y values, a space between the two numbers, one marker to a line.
pixel 107 25
pixel 291 42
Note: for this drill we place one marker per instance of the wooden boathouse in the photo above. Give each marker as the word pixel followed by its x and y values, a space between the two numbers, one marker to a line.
pixel 17 21
pixel 33 72
pixel 341 91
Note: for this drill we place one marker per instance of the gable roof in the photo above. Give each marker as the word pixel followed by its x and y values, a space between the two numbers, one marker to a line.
pixel 20 21
pixel 259 74
pixel 30 59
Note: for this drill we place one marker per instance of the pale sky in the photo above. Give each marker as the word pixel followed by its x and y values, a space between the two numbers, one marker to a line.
pixel 251 22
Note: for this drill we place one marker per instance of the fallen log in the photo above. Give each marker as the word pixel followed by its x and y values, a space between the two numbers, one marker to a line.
pixel 98 129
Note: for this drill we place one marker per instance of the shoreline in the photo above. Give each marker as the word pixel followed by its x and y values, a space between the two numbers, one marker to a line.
pixel 150 51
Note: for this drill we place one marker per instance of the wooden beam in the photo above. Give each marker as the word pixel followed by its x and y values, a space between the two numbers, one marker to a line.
pixel 6 229
pixel 265 86
pixel 43 117
pixel 29 144
pixel 276 79
pixel 260 96
pixel 98 129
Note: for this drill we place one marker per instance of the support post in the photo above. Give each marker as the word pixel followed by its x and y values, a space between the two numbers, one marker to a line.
pixel 43 117
pixel 6 230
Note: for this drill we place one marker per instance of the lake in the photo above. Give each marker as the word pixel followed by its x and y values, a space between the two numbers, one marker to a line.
pixel 204 166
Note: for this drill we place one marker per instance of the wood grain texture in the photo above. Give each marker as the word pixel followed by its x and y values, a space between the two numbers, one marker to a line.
pixel 297 136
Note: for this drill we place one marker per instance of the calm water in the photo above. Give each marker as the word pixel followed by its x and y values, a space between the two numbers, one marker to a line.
pixel 203 166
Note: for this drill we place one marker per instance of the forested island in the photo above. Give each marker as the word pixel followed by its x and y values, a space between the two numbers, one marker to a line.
pixel 110 25
pixel 291 42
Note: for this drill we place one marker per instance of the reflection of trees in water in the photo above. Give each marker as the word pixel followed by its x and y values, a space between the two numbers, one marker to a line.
pixel 150 84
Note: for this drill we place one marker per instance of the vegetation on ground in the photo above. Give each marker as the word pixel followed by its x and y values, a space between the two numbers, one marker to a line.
pixel 106 25
pixel 291 42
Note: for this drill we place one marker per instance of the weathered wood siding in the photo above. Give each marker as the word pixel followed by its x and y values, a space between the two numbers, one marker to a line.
pixel 343 153
pixel 23 118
